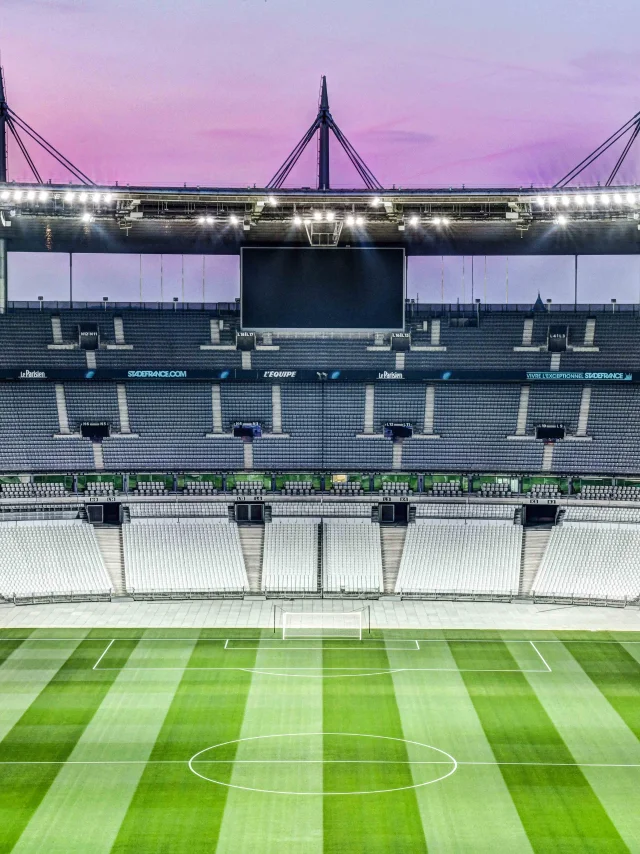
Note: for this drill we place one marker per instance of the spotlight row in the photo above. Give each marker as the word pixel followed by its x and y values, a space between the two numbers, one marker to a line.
pixel 44 196
pixel 589 200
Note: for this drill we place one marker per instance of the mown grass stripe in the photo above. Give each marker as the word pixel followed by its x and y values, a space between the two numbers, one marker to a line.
pixel 436 709
pixel 557 806
pixel 48 731
pixel 387 822
pixel 85 805
pixel 616 674
pixel 260 822
pixel 173 809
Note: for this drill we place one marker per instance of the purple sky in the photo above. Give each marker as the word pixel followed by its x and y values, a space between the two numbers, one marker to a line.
pixel 431 92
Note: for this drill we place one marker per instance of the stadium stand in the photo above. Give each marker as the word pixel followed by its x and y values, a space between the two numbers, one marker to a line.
pixel 320 508
pixel 352 556
pixel 290 560
pixel 176 555
pixel 461 556
pixel 50 559
pixel 173 509
pixel 587 560
pixel 465 511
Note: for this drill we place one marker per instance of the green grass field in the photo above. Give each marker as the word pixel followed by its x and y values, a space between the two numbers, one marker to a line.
pixel 236 741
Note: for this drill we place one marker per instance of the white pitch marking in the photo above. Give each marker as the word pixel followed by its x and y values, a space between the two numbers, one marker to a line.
pixel 103 655
pixel 303 761
pixel 544 661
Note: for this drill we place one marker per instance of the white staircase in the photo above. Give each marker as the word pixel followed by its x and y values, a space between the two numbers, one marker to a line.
pixel 523 409
pixel 392 539
pixel 247 451
pixel 61 403
pixel 429 405
pixel 534 545
pixel 109 540
pixel 369 397
pixel 214 327
pixel 118 329
pixel 98 456
pixel 527 332
pixel 90 356
pixel 547 457
pixel 583 416
pixel 589 332
pixel 56 329
pixel 123 408
pixel 216 408
pixel 435 332
pixel 399 361
pixel 276 409
pixel 555 362
pixel 396 460
pixel 246 359
pixel 252 545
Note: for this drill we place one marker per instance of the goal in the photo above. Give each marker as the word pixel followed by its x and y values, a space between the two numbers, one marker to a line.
pixel 303 624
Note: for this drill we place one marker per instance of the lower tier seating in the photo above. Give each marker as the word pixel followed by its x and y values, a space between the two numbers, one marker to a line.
pixel 290 559
pixel 183 555
pixel 465 556
pixel 50 558
pixel 591 560
pixel 352 556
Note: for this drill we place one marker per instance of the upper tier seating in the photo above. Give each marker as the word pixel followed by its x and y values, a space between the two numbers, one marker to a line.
pixel 351 556
pixel 465 511
pixel 183 555
pixel 320 508
pixel 290 559
pixel 460 556
pixel 591 560
pixel 50 558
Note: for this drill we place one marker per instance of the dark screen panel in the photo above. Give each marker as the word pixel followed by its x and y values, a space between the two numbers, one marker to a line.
pixel 333 288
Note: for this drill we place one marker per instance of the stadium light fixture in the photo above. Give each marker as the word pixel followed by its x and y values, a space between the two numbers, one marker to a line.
pixel 604 198
pixel 561 219
pixel 437 220
pixel 617 199
pixel 591 199
pixel 233 219
pixel 540 201
pixel 359 220
pixel 376 201
pixel 413 220
pixel 566 201
pixel 5 195
pixel 96 198
pixel 631 199
pixel 330 216
pixel 17 195
pixel 86 217
pixel 210 220
pixel 43 196
pixel 107 198
pixel 68 197
pixel 31 194
pixel 350 220
pixel 553 201
pixel 83 197
pixel 317 216
pixel 297 220
pixel 201 220
pixel 580 201
pixel 445 220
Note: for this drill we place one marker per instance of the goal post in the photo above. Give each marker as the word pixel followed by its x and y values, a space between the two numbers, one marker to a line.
pixel 308 624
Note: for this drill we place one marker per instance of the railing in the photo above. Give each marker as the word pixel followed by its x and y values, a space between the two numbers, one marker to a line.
pixel 176 595
pixel 44 598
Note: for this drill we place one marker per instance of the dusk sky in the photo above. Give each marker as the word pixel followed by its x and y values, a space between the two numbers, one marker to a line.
pixel 430 93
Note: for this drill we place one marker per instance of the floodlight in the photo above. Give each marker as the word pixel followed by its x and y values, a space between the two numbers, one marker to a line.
pixel 553 201
pixel 375 201
pixel 108 198
pixel 437 220
pixel 297 220
pixel 233 219
pixel 83 197
pixel 272 201
pixel 631 199
pixel 591 199
pixel 359 220
pixel 540 201
pixel 566 201
pixel 43 196
pixel 317 216
pixel 31 194
pixel 445 220
pixel 350 220
pixel 604 198
pixel 68 197
pixel 413 220
pixel 210 220
pixel 617 199
pixel 561 220
pixel 580 201
pixel 5 195
pixel 330 216
pixel 17 195
pixel 86 217
pixel 201 220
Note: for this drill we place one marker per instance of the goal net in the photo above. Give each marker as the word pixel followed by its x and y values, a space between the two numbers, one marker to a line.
pixel 347 624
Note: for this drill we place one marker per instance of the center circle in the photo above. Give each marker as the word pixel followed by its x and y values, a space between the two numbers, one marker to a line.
pixel 322 763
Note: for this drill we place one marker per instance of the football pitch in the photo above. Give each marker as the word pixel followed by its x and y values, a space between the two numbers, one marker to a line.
pixel 238 741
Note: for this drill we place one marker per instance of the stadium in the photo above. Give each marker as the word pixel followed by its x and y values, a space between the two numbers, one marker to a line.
pixel 323 568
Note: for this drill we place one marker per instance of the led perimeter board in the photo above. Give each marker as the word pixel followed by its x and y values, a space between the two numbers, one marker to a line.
pixel 320 289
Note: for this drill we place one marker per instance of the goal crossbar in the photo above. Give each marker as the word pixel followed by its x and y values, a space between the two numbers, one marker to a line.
pixel 305 624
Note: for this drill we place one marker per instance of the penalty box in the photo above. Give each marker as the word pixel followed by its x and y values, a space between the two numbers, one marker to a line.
pixel 276 656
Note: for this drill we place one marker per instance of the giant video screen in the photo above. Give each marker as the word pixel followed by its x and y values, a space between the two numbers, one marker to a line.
pixel 315 289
